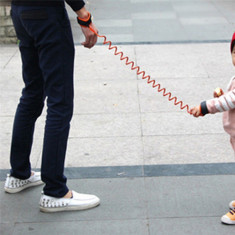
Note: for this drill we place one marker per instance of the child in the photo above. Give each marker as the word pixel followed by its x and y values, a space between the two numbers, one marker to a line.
pixel 223 103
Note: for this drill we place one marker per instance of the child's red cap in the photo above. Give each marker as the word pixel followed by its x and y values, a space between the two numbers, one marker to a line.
pixel 232 42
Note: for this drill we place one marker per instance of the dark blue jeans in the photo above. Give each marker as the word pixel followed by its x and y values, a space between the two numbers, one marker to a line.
pixel 47 52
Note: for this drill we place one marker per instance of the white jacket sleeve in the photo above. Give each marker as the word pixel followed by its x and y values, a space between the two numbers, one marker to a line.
pixel 225 102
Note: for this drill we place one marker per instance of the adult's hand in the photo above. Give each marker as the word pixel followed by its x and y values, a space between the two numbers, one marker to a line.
pixel 90 37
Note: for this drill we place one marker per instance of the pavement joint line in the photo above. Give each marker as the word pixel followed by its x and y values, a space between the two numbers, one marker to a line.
pixel 136 171
pixel 82 220
pixel 160 42
pixel 10 59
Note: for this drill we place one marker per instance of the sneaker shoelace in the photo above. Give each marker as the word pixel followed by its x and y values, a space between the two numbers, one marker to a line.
pixel 232 212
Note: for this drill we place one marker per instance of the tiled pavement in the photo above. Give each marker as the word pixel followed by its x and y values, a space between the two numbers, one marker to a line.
pixel 163 21
pixel 157 170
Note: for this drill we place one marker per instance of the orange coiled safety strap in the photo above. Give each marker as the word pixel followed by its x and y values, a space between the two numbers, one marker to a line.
pixel 142 73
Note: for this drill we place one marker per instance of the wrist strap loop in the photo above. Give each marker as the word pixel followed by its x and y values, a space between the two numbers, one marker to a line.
pixel 85 22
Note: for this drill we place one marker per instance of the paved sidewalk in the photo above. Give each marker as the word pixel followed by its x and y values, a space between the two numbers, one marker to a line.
pixel 156 169
pixel 162 21
pixel 139 152
pixel 119 119
pixel 131 206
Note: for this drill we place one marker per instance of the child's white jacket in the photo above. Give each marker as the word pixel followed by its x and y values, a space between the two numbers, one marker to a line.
pixel 226 104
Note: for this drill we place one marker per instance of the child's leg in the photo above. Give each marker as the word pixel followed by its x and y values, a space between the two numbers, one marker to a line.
pixel 229 218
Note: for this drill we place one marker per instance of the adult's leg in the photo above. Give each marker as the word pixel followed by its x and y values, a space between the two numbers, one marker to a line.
pixel 30 105
pixel 57 63
pixel 51 31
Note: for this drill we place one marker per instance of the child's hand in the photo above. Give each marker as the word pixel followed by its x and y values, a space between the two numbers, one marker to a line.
pixel 196 111
pixel 218 92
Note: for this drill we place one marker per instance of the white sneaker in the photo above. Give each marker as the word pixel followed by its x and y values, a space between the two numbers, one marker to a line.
pixel 232 205
pixel 77 202
pixel 14 185
pixel 229 218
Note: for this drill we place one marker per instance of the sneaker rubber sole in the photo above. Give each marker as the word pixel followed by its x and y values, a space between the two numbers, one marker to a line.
pixel 77 202
pixel 226 220
pixel 16 190
pixel 68 208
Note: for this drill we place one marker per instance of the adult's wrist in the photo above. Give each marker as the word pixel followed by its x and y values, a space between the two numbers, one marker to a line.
pixel 83 13
pixel 85 22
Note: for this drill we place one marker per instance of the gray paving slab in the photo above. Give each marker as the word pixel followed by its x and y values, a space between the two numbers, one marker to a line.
pixel 159 28
pixel 148 204
pixel 187 196
pixel 194 226
pixel 159 21
pixel 187 61
pixel 121 112
pixel 118 203
pixel 177 123
pixel 98 68
pixel 6 228
pixel 111 151
pixel 8 53
pixel 145 159
pixel 225 7
pixel 185 149
pixel 189 169
pixel 106 97
pixel 115 227
pixel 106 125
pixel 193 169
pixel 153 101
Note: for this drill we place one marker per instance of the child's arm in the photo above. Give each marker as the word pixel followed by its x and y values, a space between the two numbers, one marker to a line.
pixel 224 103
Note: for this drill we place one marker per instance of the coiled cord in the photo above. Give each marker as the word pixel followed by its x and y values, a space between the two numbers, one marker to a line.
pixel 142 73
